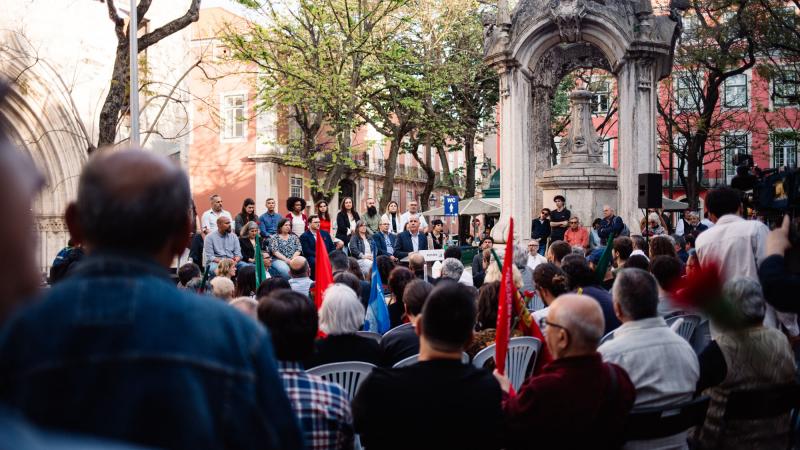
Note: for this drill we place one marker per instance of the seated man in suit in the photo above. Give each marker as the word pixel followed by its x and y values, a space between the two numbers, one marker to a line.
pixel 308 241
pixel 411 240
pixel 384 241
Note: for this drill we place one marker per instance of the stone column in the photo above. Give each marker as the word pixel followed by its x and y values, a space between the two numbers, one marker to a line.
pixel 540 138
pixel 637 153
pixel 515 155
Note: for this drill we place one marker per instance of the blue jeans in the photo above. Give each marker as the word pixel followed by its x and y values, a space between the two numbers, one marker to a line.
pixel 279 269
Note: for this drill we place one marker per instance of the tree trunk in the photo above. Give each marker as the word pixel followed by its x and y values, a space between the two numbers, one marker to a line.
pixel 116 99
pixel 430 174
pixel 388 177
pixel 446 169
pixel 469 157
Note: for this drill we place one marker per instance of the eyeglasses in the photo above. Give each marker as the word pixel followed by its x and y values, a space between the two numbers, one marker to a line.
pixel 543 324
pixel 573 221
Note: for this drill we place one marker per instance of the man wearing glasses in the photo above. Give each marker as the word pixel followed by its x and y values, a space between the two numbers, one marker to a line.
pixel 576 235
pixel 540 229
pixel 577 401
pixel 559 219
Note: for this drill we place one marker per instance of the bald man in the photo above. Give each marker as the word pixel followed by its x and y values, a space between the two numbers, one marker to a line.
pixel 577 401
pixel 299 275
pixel 117 350
pixel 610 225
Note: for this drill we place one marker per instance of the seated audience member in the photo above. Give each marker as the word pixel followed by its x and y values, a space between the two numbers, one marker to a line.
pixel 637 262
pixel 269 285
pixel 486 259
pixel 452 269
pixel 187 273
pixel 360 247
pixel 398 280
pixel 222 288
pixel 744 355
pixel 247 242
pixel 69 362
pixel 221 244
pixel 621 250
pixel 778 282
pixel 640 245
pixel 557 251
pixel 351 281
pixel 442 402
pixel 416 264
pixel 246 305
pixel 662 245
pixel 340 262
pixel 226 269
pixel 550 282
pixel 455 252
pixel 578 401
pixel 667 271
pixel 340 317
pixel 385 241
pixel 299 278
pixel 403 341
pixel 322 408
pixel 412 239
pixel 582 280
pixel 493 273
pixel 576 235
pixel 308 242
pixel 246 282
pixel 660 363
pixel 486 321
pixel 385 267
pixel 680 247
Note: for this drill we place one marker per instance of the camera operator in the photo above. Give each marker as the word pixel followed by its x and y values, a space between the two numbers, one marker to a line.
pixel 744 180
pixel 780 286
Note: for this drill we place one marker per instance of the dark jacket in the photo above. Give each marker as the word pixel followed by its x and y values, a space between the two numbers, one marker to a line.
pixel 604 299
pixel 399 345
pixel 117 350
pixel 405 246
pixel 342 224
pixel 447 404
pixel 343 348
pixel 540 230
pixel 309 247
pixel 248 251
pixel 614 225
pixel 780 286
pixel 357 249
pixel 379 242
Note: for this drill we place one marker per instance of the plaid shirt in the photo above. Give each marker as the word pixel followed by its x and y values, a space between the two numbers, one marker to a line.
pixel 321 407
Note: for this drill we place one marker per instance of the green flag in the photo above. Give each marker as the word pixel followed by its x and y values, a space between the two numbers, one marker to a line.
pixel 261 272
pixel 605 259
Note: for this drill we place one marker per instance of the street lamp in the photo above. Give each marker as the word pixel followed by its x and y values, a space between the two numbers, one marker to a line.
pixel 485 169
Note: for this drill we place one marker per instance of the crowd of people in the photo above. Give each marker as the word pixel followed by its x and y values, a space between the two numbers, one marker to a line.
pixel 115 354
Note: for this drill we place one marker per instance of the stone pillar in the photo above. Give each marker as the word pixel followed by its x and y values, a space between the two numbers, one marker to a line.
pixel 637 152
pixel 267 183
pixel 540 127
pixel 515 155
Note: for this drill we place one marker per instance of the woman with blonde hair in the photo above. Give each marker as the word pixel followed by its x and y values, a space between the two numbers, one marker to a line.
pixel 226 268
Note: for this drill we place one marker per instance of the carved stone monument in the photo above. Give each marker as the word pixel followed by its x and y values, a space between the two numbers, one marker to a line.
pixel 533 47
pixel 582 177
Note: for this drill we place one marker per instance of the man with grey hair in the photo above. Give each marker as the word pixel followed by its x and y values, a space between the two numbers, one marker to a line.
pixel 611 225
pixel 451 269
pixel 521 261
pixel 411 240
pixel 661 365
pixel 211 217
pixel 135 336
pixel 578 401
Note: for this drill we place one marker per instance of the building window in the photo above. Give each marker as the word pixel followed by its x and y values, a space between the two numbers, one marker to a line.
pixel 396 195
pixel 608 152
pixel 735 95
pixel 232 112
pixel 687 92
pixel 733 144
pixel 784 88
pixel 680 149
pixel 409 196
pixel 296 187
pixel 601 99
pixel 784 150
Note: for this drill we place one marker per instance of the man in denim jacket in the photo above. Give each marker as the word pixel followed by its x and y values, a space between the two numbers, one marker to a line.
pixel 117 350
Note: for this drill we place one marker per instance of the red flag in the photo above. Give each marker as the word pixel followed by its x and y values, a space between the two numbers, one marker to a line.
pixel 505 302
pixel 323 275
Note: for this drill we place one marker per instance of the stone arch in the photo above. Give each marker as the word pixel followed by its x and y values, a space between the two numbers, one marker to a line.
pixel 43 122
pixel 638 47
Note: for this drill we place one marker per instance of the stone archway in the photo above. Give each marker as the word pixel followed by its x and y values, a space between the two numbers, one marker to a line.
pixel 521 45
pixel 38 114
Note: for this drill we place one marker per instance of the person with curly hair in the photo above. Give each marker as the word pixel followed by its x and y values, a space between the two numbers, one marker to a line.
pixel 296 215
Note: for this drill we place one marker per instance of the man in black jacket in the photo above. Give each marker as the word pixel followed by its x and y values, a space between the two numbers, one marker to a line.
pixel 540 229
pixel 780 286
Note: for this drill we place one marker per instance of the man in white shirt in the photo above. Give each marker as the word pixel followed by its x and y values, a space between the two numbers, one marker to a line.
pixel 534 258
pixel 413 210
pixel 661 365
pixel 209 220
pixel 737 246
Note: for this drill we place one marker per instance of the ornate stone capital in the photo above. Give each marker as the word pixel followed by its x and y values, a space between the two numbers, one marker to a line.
pixel 567 15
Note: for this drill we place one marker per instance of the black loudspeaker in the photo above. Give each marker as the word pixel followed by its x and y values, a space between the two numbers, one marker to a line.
pixel 649 190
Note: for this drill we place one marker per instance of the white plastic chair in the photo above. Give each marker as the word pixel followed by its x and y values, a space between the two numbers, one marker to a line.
pixel 393 330
pixel 676 325
pixel 521 352
pixel 370 334
pixel 349 375
pixel 687 326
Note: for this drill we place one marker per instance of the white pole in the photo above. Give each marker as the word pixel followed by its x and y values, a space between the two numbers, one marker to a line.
pixel 133 35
